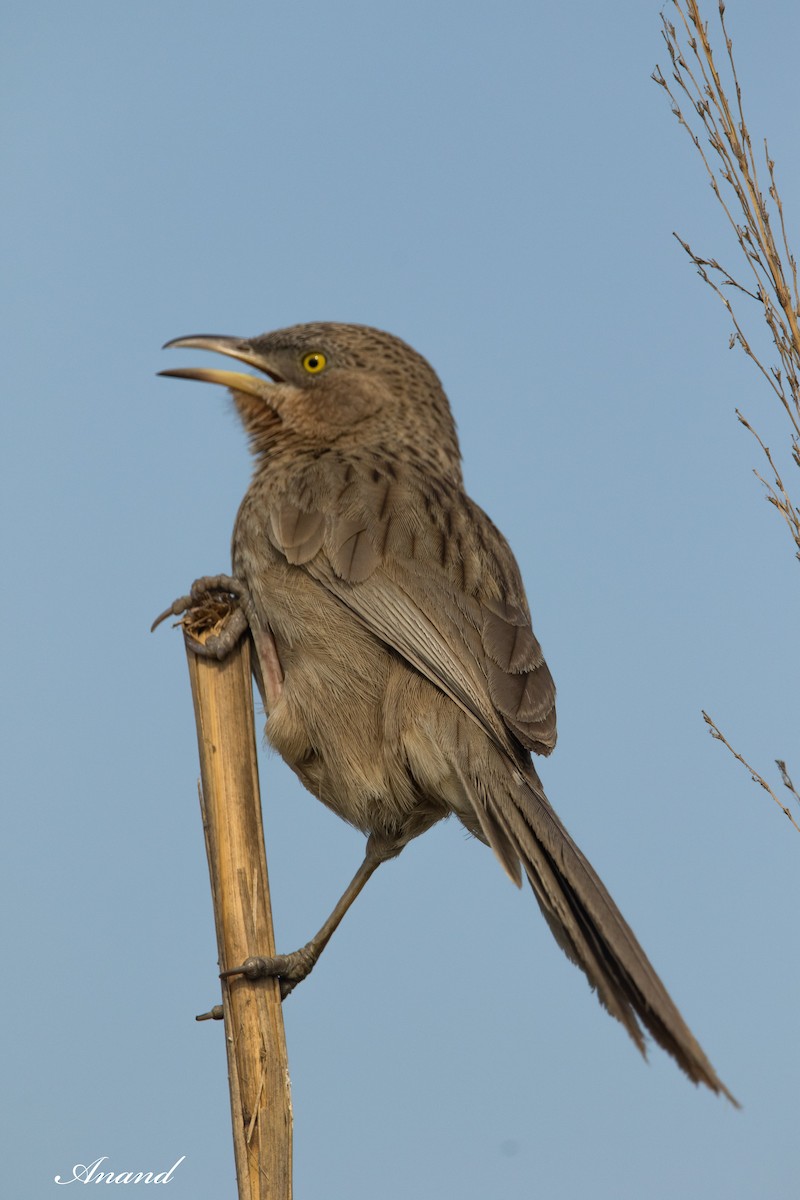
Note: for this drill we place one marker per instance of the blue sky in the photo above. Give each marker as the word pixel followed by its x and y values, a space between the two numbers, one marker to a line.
pixel 498 185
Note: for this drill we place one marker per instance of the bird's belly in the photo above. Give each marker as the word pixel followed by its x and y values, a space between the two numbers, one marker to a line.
pixel 343 712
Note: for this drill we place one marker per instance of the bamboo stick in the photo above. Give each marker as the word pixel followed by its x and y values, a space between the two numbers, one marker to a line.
pixel 258 1072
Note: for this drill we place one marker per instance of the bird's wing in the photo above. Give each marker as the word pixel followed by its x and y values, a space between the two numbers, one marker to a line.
pixel 440 586
pixel 426 571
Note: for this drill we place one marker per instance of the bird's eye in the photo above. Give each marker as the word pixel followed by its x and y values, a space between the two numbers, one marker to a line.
pixel 314 362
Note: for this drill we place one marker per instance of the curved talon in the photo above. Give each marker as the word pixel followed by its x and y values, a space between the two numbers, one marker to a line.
pixel 217 1013
pixel 176 609
pixel 252 968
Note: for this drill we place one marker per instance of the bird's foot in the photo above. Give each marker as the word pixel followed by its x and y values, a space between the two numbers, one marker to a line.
pixel 215 603
pixel 290 969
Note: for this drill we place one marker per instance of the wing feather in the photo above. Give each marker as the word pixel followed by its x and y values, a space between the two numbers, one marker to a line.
pixel 425 570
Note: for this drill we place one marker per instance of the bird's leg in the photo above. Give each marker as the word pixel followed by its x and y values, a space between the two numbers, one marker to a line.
pixel 293 968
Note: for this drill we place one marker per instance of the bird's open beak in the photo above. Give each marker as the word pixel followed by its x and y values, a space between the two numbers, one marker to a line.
pixel 253 385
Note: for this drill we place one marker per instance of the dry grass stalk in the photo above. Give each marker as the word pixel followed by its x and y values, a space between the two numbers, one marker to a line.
pixel 733 172
pixel 231 805
pixel 712 120
pixel 754 775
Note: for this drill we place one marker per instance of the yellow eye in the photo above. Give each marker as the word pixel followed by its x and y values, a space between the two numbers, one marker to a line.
pixel 314 362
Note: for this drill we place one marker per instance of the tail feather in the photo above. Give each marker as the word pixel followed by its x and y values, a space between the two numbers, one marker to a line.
pixel 520 824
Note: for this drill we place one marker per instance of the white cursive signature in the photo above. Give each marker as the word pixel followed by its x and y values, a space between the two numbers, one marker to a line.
pixel 81 1173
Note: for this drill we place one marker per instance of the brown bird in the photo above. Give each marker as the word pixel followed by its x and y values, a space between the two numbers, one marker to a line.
pixel 396 660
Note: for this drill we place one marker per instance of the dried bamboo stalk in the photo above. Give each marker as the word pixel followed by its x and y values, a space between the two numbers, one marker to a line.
pixel 258 1072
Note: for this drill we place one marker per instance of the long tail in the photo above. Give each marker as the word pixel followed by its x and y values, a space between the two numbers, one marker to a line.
pixel 521 827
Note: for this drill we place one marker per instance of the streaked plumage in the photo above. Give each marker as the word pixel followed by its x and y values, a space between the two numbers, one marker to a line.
pixel 412 683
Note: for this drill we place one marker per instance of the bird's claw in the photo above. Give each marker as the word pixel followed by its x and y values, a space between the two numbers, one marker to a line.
pixel 289 969
pixel 217 1013
pixel 214 602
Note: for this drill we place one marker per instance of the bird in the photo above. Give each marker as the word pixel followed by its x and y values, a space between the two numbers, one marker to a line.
pixel 400 674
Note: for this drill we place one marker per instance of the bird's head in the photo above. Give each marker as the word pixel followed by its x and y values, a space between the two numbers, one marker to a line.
pixel 329 385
